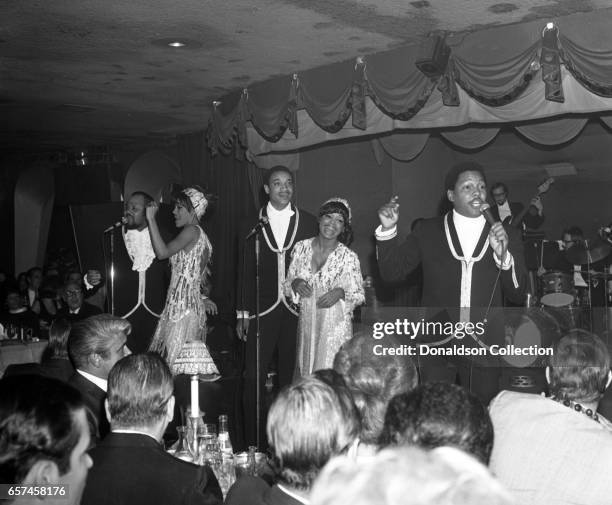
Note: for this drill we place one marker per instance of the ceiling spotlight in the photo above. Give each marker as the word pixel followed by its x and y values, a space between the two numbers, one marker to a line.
pixel 550 26
pixel 176 43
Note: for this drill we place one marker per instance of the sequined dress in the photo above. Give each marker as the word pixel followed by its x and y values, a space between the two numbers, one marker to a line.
pixel 181 330
pixel 321 331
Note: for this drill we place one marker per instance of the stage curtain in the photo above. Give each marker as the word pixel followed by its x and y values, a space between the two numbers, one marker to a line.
pixel 553 132
pixel 471 138
pixel 325 93
pixel 591 68
pixel 228 178
pixel 607 120
pixel 395 85
pixel 403 146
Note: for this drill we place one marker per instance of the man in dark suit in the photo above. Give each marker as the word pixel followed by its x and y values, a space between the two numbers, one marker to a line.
pixel 141 279
pixel 467 265
pixel 131 465
pixel 95 345
pixel 513 212
pixel 285 225
pixel 76 308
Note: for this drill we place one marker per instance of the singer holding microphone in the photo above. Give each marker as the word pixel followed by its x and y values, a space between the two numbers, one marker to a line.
pixel 280 225
pixel 467 263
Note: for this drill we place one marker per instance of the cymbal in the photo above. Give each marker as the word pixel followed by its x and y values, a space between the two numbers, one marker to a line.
pixel 588 252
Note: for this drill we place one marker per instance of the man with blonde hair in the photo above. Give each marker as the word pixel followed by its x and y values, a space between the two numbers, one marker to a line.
pixel 308 423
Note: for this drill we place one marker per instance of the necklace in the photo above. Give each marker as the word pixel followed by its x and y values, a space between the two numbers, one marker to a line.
pixel 577 407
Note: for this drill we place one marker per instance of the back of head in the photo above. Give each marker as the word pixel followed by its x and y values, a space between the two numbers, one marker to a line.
pixel 373 379
pixel 94 335
pixel 139 389
pixel 408 476
pixel 59 331
pixel 307 425
pixel 37 422
pixel 579 367
pixel 439 414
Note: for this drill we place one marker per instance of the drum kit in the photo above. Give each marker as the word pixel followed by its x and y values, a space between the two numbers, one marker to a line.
pixel 560 306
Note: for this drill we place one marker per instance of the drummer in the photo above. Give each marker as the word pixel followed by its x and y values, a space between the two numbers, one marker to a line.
pixel 573 258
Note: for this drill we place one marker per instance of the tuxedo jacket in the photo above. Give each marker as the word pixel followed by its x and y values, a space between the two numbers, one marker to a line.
pixel 532 219
pixel 87 310
pixel 157 279
pixel 134 469
pixel 254 491
pixel 273 258
pixel 94 401
pixel 456 288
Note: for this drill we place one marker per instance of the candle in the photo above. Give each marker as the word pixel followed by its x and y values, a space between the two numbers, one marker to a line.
pixel 195 397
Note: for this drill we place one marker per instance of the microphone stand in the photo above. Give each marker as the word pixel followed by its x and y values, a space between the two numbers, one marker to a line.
pixel 112 270
pixel 257 340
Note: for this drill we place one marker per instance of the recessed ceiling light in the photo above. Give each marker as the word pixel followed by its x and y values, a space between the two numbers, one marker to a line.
pixel 176 43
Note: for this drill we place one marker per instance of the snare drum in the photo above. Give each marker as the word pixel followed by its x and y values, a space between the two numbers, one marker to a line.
pixel 557 289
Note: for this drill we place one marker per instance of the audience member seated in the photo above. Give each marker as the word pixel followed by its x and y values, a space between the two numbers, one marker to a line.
pixel 34 277
pixel 55 361
pixel 76 309
pixel 95 345
pixel 50 297
pixel 308 423
pixel 373 380
pixel 409 476
pixel 131 466
pixel 44 438
pixel 557 449
pixel 438 414
pixel 18 321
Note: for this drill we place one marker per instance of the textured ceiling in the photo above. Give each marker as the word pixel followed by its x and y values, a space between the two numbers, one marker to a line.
pixel 75 73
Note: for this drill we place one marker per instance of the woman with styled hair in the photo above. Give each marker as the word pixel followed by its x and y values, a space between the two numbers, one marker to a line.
pixel 181 330
pixel 325 278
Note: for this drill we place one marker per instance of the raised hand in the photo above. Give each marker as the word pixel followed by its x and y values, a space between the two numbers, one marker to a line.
pixel 151 211
pixel 498 238
pixel 389 213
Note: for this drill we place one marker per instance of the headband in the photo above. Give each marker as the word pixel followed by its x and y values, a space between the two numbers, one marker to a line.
pixel 197 199
pixel 342 201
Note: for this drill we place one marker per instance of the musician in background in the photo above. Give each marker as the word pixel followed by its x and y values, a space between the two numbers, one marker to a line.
pixel 514 212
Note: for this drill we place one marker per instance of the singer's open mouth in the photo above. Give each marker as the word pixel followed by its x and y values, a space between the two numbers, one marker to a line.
pixel 476 203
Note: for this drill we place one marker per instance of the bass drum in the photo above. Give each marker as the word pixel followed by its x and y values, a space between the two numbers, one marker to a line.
pixel 530 327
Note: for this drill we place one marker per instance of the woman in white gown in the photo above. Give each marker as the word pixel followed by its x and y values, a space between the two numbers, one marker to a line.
pixel 181 330
pixel 325 278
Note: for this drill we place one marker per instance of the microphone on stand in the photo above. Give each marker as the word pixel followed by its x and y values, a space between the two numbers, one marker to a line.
pixel 263 221
pixel 485 210
pixel 116 225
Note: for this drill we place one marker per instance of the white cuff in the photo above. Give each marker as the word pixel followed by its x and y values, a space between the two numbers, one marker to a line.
pixel 242 314
pixel 385 234
pixel 88 285
pixel 508 261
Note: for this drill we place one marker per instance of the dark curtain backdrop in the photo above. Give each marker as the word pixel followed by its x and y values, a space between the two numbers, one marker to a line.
pixel 229 179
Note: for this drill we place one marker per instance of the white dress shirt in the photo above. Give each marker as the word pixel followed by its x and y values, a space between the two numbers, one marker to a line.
pixel 279 222
pixel 101 383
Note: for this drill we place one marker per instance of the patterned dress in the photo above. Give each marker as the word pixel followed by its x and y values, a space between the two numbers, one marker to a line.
pixel 321 332
pixel 181 330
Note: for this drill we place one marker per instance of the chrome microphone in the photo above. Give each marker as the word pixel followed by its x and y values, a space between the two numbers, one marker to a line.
pixel 116 225
pixel 485 210
pixel 263 221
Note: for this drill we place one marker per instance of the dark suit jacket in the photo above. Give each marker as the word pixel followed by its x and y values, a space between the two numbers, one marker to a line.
pixel 134 469
pixel 87 310
pixel 532 219
pixel 254 491
pixel 94 400
pixel 60 369
pixel 157 279
pixel 301 226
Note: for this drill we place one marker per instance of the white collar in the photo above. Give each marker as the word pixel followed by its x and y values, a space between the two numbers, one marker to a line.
pixel 134 432
pixel 287 212
pixel 293 495
pixel 101 383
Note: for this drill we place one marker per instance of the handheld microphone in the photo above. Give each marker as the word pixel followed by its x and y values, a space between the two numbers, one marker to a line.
pixel 485 210
pixel 116 225
pixel 263 221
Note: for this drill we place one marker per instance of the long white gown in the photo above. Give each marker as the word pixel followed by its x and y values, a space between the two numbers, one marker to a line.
pixel 321 331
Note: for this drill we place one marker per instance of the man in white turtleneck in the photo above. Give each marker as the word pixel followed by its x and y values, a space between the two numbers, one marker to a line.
pixel 466 265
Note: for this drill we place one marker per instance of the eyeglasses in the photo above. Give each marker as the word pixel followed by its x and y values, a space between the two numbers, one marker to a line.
pixel 73 292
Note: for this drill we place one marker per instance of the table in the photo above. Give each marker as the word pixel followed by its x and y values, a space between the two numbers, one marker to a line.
pixel 15 353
